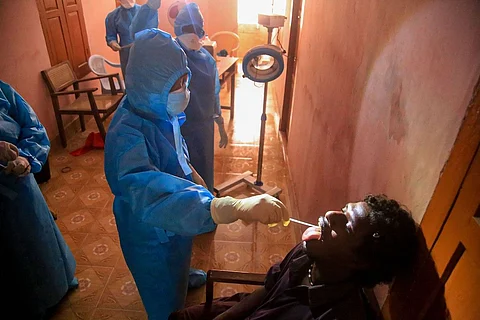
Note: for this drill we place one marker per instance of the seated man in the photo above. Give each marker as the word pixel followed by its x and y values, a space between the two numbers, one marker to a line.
pixel 364 244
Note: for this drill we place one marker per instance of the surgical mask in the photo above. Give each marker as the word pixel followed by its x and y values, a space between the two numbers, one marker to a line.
pixel 178 101
pixel 191 41
pixel 127 4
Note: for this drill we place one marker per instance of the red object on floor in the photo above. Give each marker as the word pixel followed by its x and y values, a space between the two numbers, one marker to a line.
pixel 93 141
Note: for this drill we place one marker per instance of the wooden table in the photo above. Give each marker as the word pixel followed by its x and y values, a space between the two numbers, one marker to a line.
pixel 227 69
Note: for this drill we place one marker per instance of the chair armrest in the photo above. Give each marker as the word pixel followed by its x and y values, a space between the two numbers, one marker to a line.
pixel 110 75
pixel 63 93
pixel 230 277
pixel 236 277
pixel 113 64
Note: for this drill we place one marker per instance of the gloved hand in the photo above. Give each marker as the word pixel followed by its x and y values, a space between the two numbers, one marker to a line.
pixel 223 137
pixel 19 167
pixel 223 134
pixel 154 4
pixel 197 178
pixel 8 151
pixel 114 45
pixel 262 208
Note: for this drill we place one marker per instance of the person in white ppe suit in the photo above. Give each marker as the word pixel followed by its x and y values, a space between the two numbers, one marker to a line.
pixel 160 201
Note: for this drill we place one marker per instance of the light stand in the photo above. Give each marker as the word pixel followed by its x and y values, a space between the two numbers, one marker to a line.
pixel 277 54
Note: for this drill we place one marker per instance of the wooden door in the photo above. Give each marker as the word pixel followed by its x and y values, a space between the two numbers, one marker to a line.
pixel 445 283
pixel 65 33
pixel 457 250
pixel 78 36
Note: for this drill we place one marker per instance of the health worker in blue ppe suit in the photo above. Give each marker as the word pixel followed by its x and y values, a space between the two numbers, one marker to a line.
pixel 160 203
pixel 118 23
pixel 204 106
pixel 37 267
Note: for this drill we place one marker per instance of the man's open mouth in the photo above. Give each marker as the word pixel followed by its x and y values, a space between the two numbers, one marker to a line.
pixel 315 233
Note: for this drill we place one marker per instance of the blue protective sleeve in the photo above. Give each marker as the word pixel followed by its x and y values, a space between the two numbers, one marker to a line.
pixel 33 142
pixel 146 18
pixel 158 198
pixel 218 109
pixel 110 27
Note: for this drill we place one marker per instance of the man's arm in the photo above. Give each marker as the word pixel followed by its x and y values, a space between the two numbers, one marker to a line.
pixel 33 143
pixel 245 307
pixel 218 111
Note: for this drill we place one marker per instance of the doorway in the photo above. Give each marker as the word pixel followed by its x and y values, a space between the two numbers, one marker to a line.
pixel 250 32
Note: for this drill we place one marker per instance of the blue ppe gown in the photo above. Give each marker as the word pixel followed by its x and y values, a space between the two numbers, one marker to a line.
pixel 37 265
pixel 117 25
pixel 198 129
pixel 158 209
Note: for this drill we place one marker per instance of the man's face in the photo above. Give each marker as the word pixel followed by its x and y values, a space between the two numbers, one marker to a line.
pixel 338 234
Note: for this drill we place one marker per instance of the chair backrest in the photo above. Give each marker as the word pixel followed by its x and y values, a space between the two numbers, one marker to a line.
pixel 227 40
pixel 173 11
pixel 97 64
pixel 59 76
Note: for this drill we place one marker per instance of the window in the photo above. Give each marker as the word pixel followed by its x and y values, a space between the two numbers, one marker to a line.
pixel 248 10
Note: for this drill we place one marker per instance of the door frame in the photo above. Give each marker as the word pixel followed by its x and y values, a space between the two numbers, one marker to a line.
pixel 296 15
pixel 454 172
pixel 407 294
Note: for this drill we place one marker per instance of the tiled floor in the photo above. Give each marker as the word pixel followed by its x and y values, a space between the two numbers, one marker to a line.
pixel 79 194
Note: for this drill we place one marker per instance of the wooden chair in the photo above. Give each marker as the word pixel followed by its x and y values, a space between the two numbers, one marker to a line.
pixel 97 64
pixel 60 77
pixel 227 40
pixel 258 279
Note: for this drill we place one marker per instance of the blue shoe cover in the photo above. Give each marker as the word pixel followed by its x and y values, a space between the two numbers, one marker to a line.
pixel 196 278
pixel 73 284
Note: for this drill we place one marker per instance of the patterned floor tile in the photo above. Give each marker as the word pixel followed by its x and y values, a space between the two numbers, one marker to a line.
pixel 121 292
pixel 236 231
pixel 98 250
pixel 92 282
pixel 267 254
pixel 234 256
pixel 275 235
pixel 106 314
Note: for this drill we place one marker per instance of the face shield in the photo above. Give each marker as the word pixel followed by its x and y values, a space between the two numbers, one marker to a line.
pixel 191 37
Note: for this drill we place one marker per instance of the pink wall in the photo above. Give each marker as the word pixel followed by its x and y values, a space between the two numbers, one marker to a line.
pixel 94 12
pixel 23 54
pixel 381 90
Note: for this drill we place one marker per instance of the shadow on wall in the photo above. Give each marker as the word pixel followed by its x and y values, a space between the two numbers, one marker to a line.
pixel 418 295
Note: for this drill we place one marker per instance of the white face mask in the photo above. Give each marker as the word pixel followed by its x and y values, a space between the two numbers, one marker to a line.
pixel 127 4
pixel 191 41
pixel 178 101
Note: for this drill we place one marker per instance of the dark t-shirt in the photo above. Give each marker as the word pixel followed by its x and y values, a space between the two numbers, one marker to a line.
pixel 288 299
